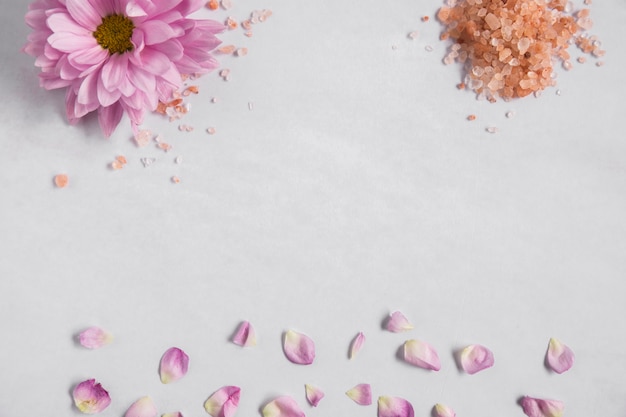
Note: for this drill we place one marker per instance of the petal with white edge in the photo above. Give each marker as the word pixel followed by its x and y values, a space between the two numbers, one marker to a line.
pixel 313 394
pixel 174 365
pixel 299 348
pixel 282 407
pixel 475 358
pixel 357 344
pixel 537 407
pixel 94 338
pixel 421 354
pixel 397 322
pixel 559 356
pixel 441 410
pixel 143 407
pixel 245 335
pixel 90 397
pixel 360 394
pixel 394 407
pixel 223 402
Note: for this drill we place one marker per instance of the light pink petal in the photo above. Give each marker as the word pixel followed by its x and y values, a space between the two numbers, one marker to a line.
pixel 357 344
pixel 174 365
pixel 63 22
pixel 94 338
pixel 282 407
pixel 84 14
pixel 114 71
pixel 68 42
pixel 361 394
pixel 394 407
pixel 143 407
pixel 313 394
pixel 109 118
pixel 299 348
pixel 90 397
pixel 475 358
pixel 559 356
pixel 397 322
pixel 536 407
pixel 223 402
pixel 441 410
pixel 245 335
pixel 156 31
pixel 421 354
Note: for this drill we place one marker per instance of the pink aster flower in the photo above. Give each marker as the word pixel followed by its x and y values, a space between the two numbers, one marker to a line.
pixel 118 56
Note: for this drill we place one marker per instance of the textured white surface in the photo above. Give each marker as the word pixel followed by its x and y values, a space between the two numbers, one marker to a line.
pixel 353 188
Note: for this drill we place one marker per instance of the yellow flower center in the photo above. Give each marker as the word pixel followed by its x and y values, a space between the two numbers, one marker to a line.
pixel 114 34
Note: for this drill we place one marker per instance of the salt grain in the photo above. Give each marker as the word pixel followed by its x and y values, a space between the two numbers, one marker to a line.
pixel 147 161
pixel 210 130
pixel 428 48
pixel 178 160
pixel 142 138
pixel 61 180
pixel 492 129
pixel 413 35
pixel 510 114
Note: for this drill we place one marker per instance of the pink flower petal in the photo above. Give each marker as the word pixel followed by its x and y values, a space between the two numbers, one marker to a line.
pixel 441 410
pixel 360 394
pixel 94 338
pixel 174 414
pixel 536 407
pixel 394 407
pixel 223 402
pixel 397 322
pixel 357 344
pixel 421 354
pixel 174 365
pixel 475 358
pixel 313 394
pixel 143 407
pixel 559 357
pixel 282 407
pixel 245 335
pixel 299 348
pixel 90 397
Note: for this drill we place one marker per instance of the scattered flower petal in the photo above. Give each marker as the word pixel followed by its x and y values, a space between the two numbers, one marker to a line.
pixel 397 322
pixel 559 357
pixel 475 358
pixel 282 407
pixel 361 394
pixel 299 348
pixel 245 336
pixel 174 365
pixel 536 407
pixel 223 402
pixel 421 354
pixel 143 407
pixel 394 407
pixel 174 414
pixel 357 344
pixel 94 338
pixel 313 394
pixel 441 410
pixel 90 397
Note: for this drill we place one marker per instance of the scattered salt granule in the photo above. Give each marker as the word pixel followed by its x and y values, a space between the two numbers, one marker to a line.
pixel 61 180
pixel 142 138
pixel 599 63
pixel 471 117
pixel 185 128
pixel 164 146
pixel 510 114
pixel 210 130
pixel 178 160
pixel 227 49
pixel 147 161
pixel 492 129
pixel 460 86
pixel 250 106
pixel 214 100
pixel 119 162
pixel 425 18
pixel 394 47
pixel 413 35
pixel 241 52
pixel 581 59
pixel 226 4
pixel 225 74
pixel 558 92
pixel 509 47
pixel 213 5
pixel 428 48
pixel 175 179
pixel 231 23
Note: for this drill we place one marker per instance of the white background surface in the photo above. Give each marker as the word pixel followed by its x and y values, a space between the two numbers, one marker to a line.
pixel 353 188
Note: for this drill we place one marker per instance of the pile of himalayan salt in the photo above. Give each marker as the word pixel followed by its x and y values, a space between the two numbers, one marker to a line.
pixel 509 47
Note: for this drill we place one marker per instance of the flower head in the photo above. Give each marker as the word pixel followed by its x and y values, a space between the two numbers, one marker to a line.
pixel 118 56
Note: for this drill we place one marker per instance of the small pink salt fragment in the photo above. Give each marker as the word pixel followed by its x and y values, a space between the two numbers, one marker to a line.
pixel 61 180
pixel 231 23
pixel 246 24
pixel 491 129
pixel 250 105
pixel 537 407
pixel 174 365
pixel 248 34
pixel 441 410
pixel 223 402
pixel 425 18
pixel 119 162
pixel 581 59
pixel 559 357
pixel 175 179
pixel 413 35
pixel 245 335
pixel 211 130
pixel 360 394
pixel 471 117
pixel 226 4
pixel 298 348
pixel 94 338
pixel 142 138
pixel 397 322
pixel 90 397
pixel 475 358
pixel 421 354
pixel 394 407
pixel 241 52
pixel 282 407
pixel 143 407
pixel 164 146
pixel 313 394
pixel 213 4
pixel 226 49
pixel 357 344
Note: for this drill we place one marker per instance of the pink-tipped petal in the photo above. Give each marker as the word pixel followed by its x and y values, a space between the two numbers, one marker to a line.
pixel 397 322
pixel 90 397
pixel 536 407
pixel 559 356
pixel 357 344
pixel 282 407
pixel 313 394
pixel 394 407
pixel 94 338
pixel 421 354
pixel 174 414
pixel 245 335
pixel 143 407
pixel 440 410
pixel 223 402
pixel 299 348
pixel 174 365
pixel 360 394
pixel 475 358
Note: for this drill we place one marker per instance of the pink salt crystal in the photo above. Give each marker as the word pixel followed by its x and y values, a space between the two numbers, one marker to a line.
pixel 164 146
pixel 142 138
pixel 567 65
pixel 175 179
pixel 599 63
pixel 214 100
pixel 510 114
pixel 226 4
pixel 61 180
pixel 413 35
pixel 428 48
pixel 581 59
pixel 226 49
pixel 246 24
pixel 248 34
pixel 210 130
pixel 250 106
pixel 492 129
pixel 147 161
pixel 242 52
pixel 231 23
pixel 178 160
